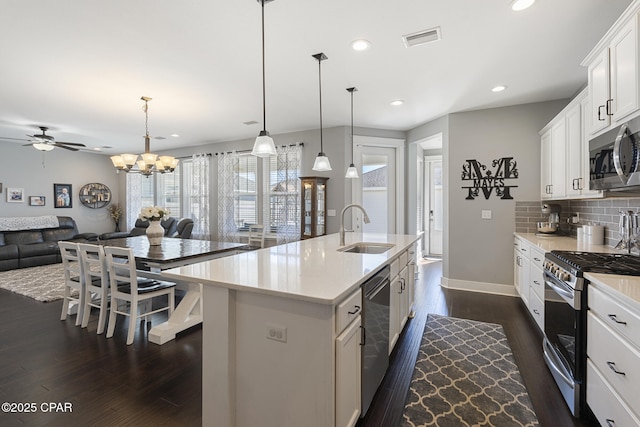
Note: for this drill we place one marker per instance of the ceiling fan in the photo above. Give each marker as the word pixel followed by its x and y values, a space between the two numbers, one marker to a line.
pixel 44 142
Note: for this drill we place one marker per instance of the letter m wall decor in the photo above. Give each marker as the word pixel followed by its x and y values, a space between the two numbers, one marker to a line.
pixel 485 180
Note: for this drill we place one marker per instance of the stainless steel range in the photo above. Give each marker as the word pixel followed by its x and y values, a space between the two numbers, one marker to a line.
pixel 565 315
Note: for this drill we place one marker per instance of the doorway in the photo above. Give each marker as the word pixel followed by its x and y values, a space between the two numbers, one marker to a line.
pixel 433 208
pixel 379 189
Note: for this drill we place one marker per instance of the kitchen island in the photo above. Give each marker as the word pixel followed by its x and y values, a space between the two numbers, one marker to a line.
pixel 277 328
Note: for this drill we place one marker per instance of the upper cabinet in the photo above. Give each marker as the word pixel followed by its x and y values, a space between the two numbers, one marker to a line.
pixel 565 154
pixel 613 74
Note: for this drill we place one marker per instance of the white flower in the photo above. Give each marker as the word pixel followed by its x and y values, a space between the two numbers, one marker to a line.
pixel 153 213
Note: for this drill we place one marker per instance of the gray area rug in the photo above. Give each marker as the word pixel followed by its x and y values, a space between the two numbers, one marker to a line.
pixel 43 283
pixel 465 375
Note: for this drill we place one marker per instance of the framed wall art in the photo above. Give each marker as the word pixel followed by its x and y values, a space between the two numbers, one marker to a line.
pixel 36 200
pixel 15 195
pixel 62 195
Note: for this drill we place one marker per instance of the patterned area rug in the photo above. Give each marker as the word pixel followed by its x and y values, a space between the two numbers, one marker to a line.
pixel 43 283
pixel 465 375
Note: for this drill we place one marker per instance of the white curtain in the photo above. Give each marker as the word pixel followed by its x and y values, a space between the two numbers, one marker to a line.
pixel 285 194
pixel 227 183
pixel 199 197
pixel 134 199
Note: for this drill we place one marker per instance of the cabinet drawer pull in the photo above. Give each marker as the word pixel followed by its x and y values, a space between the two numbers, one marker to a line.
pixel 536 282
pixel 610 422
pixel 535 310
pixel 536 258
pixel 615 319
pixel 600 118
pixel 612 366
pixel 357 309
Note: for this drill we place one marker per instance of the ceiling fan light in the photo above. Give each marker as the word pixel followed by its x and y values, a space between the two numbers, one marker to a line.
pixel 352 172
pixel 43 147
pixel 264 146
pixel 321 163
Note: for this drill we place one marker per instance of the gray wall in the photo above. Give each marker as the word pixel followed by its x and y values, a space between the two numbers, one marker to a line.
pixel 477 249
pixel 22 167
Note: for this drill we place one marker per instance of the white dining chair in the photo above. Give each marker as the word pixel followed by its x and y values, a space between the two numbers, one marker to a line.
pixel 256 236
pixel 96 283
pixel 128 288
pixel 73 280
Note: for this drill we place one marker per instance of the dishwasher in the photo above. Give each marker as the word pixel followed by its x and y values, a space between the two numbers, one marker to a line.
pixel 375 346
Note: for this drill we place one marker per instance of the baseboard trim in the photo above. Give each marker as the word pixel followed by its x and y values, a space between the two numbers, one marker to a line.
pixel 483 287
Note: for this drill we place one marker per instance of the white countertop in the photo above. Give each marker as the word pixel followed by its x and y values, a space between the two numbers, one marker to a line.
pixel 563 243
pixel 311 270
pixel 625 286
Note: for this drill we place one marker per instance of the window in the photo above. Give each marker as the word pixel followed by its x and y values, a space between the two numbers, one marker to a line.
pixel 245 193
pixel 284 194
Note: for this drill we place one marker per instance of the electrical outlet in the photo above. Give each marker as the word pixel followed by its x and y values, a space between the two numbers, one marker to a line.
pixel 276 333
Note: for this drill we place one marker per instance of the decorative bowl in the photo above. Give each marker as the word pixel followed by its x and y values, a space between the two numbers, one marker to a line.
pixel 547 227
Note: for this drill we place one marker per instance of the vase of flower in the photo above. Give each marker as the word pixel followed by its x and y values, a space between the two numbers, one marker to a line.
pixel 155 231
pixel 115 211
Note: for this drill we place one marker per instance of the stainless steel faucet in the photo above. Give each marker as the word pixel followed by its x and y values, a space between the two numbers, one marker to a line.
pixel 342 230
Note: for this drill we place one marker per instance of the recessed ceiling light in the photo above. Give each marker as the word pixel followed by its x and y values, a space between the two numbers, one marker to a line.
pixel 360 45
pixel 397 102
pixel 518 5
pixel 175 135
pixel 498 88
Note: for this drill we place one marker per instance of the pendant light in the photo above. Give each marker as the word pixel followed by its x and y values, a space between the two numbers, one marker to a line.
pixel 322 161
pixel 264 146
pixel 352 172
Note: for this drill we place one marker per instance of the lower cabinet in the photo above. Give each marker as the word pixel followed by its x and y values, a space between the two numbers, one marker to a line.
pixel 528 280
pixel 613 352
pixel 401 295
pixel 348 373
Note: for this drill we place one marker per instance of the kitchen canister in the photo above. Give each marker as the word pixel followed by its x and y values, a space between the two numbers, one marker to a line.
pixel 593 234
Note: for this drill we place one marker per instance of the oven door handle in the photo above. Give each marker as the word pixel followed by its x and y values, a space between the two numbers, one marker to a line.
pixel 559 287
pixel 555 363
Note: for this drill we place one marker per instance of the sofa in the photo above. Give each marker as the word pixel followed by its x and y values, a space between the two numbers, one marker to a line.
pixel 33 247
pixel 169 224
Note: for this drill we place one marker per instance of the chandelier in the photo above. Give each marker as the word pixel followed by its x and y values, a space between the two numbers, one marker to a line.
pixel 149 163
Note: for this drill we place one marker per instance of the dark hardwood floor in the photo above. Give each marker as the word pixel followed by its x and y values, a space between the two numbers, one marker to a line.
pixel 108 383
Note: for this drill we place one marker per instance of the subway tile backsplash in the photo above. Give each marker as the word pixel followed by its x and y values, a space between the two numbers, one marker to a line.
pixel 591 211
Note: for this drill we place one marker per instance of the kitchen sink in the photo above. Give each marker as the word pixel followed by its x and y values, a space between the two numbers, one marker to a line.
pixel 367 248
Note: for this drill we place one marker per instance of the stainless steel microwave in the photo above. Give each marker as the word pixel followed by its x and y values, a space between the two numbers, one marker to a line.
pixel 614 158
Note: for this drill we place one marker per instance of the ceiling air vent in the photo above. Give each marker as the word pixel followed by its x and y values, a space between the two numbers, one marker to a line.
pixel 421 37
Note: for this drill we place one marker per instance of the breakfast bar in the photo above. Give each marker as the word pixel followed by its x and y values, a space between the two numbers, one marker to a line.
pixel 273 330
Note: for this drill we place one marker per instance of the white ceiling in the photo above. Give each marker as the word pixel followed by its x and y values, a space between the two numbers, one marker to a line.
pixel 81 66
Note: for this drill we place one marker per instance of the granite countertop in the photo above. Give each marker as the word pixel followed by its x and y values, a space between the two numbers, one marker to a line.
pixel 310 270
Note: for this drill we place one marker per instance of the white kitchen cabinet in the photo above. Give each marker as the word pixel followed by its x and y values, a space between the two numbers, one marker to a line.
pixel 348 375
pixel 401 294
pixel 613 351
pixel 521 269
pixel 528 279
pixel 564 160
pixel 553 161
pixel 613 73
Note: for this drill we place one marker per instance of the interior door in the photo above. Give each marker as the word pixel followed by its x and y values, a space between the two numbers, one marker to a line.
pixel 433 205
pixel 377 189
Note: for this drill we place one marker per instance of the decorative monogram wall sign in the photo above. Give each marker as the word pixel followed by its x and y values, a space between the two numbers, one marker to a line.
pixel 486 180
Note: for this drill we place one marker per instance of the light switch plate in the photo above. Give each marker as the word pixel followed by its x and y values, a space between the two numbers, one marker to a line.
pixel 486 214
pixel 331 212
